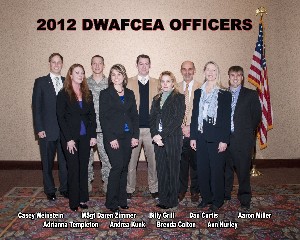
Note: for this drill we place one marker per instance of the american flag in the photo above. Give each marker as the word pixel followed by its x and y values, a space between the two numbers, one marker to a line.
pixel 258 76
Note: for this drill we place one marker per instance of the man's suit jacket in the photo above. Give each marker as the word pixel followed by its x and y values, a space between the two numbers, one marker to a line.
pixel 70 115
pixel 134 86
pixel 44 108
pixel 171 116
pixel 196 85
pixel 247 116
pixel 114 114
pixel 220 131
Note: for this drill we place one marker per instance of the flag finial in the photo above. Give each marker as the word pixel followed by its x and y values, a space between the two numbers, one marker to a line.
pixel 261 11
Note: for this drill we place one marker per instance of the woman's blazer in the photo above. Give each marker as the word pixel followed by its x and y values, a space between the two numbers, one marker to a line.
pixel 113 114
pixel 220 131
pixel 70 114
pixel 171 115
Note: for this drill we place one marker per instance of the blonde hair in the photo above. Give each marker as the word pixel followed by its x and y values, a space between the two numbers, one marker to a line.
pixel 218 80
pixel 159 88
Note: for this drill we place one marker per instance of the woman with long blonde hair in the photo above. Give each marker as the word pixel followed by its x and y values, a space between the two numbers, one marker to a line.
pixel 210 131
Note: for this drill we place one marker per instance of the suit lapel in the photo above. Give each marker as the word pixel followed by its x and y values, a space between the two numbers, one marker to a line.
pixel 240 99
pixel 50 85
pixel 116 97
pixel 169 100
pixel 135 88
pixel 126 103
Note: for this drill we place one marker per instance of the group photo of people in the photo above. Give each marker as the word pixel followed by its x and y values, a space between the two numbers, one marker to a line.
pixel 195 133
pixel 150 120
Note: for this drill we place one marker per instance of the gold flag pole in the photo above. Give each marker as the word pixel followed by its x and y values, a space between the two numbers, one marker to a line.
pixel 254 172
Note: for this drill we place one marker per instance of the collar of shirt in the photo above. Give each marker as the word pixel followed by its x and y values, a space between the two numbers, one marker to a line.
pixel 60 84
pixel 236 91
pixel 54 76
pixel 190 85
pixel 146 79
pixel 103 78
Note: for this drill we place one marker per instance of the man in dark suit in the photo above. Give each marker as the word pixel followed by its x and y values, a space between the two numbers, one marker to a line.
pixel 46 126
pixel 245 117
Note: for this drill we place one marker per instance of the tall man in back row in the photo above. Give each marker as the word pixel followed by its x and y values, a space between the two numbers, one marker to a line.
pixel 245 118
pixel 144 88
pixel 188 162
pixel 44 96
pixel 98 82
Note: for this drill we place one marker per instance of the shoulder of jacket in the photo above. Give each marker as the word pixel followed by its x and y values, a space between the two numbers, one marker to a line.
pixel 198 91
pixel 132 78
pixel 42 79
pixel 153 79
pixel 104 92
pixel 249 90
pixel 180 95
pixel 225 91
pixel 129 91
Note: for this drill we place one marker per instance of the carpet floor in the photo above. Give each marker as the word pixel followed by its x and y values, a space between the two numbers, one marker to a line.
pixel 25 213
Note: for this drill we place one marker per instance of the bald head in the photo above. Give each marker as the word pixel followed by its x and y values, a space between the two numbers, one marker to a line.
pixel 188 71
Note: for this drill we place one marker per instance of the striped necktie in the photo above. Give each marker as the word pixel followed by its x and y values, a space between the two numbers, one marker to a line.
pixel 233 104
pixel 57 85
pixel 187 101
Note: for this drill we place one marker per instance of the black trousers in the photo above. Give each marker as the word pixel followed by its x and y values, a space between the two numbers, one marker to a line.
pixel 238 158
pixel 210 169
pixel 47 151
pixel 78 171
pixel 188 166
pixel 168 167
pixel 117 180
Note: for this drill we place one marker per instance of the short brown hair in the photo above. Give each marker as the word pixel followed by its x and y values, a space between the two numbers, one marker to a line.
pixel 56 54
pixel 142 56
pixel 98 57
pixel 236 69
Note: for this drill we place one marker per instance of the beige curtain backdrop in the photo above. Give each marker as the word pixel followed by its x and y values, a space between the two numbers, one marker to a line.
pixel 25 52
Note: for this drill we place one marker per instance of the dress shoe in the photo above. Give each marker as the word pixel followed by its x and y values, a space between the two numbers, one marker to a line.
pixel 213 208
pixel 162 206
pixel 64 194
pixel 74 209
pixel 83 206
pixel 203 204
pixel 114 209
pixel 154 195
pixel 181 196
pixel 51 196
pixel 129 195
pixel 124 207
pixel 195 197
